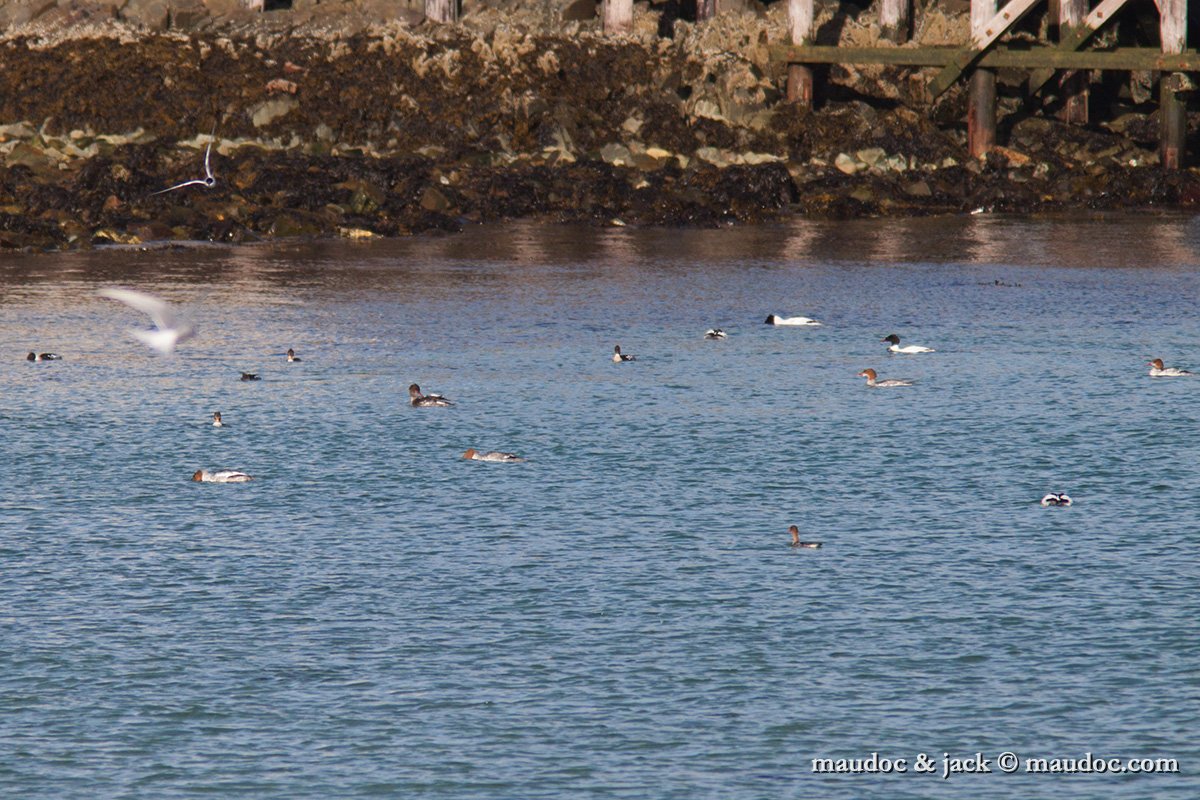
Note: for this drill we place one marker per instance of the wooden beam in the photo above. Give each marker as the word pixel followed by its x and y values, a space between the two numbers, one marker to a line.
pixel 1172 27
pixel 1000 56
pixel 441 10
pixel 981 102
pixel 893 19
pixel 800 77
pixel 617 16
pixel 983 33
pixel 1077 37
pixel 1074 83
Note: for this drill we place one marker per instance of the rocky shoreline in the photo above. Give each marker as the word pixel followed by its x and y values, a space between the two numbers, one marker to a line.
pixel 325 124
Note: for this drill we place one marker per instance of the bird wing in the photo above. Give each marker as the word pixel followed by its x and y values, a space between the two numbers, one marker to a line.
pixel 159 310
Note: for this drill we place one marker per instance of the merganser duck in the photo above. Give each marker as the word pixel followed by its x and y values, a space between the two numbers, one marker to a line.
pixel 419 400
pixel 795 532
pixel 1157 370
pixel 869 374
pixel 217 420
pixel 291 354
pixel 493 455
pixel 715 333
pixel 908 349
pixel 250 376
pixel 221 476
pixel 169 328
pixel 775 319
pixel 43 357
pixel 618 357
pixel 1056 499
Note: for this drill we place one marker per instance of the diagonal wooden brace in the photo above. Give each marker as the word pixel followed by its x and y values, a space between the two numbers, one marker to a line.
pixel 1076 39
pixel 980 42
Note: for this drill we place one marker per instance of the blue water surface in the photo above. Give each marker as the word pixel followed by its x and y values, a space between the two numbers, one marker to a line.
pixel 621 616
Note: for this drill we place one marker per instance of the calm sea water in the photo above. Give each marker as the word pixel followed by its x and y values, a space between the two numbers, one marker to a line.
pixel 620 617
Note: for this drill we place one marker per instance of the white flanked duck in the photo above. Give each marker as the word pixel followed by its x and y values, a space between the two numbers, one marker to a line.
pixel 874 382
pixel 1157 370
pixel 908 349
pixel 43 357
pixel 715 333
pixel 775 319
pixel 795 532
pixel 618 356
pixel 1056 499
pixel 217 423
pixel 221 476
pixel 418 400
pixel 292 357
pixel 492 455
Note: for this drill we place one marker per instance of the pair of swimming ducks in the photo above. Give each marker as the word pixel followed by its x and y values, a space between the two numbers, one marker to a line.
pixel 253 376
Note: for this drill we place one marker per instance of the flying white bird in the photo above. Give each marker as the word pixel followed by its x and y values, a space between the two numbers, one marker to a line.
pixel 169 328
pixel 208 181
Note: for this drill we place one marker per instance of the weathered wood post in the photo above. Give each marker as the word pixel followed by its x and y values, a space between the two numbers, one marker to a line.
pixel 705 9
pixel 617 16
pixel 1075 83
pixel 981 109
pixel 893 19
pixel 441 10
pixel 800 77
pixel 1172 109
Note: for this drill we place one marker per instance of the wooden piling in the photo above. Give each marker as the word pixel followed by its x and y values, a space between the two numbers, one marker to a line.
pixel 441 10
pixel 893 19
pixel 1172 108
pixel 705 9
pixel 800 77
pixel 981 111
pixel 617 16
pixel 1074 84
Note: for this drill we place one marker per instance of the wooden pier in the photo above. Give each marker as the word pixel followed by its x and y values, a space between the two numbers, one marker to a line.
pixel 978 59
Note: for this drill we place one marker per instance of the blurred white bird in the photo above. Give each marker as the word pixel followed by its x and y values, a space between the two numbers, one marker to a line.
pixel 169 327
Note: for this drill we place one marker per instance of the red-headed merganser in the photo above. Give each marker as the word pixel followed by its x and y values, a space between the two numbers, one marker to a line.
pixel 250 376
pixel 493 455
pixel 217 420
pixel 169 328
pixel 1157 370
pixel 795 532
pixel 775 319
pixel 618 357
pixel 869 374
pixel 715 333
pixel 419 400
pixel 43 357
pixel 908 349
pixel 291 354
pixel 221 476
pixel 1056 499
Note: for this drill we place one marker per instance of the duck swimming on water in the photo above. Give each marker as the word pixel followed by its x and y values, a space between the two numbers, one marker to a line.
pixel 1157 370
pixel 618 356
pixel 217 420
pixel 418 400
pixel 221 476
pixel 1056 499
pixel 43 357
pixel 872 381
pixel 715 333
pixel 795 532
pixel 492 455
pixel 775 319
pixel 292 357
pixel 908 349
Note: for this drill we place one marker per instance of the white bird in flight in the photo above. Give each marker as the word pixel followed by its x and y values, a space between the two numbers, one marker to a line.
pixel 169 328
pixel 208 180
